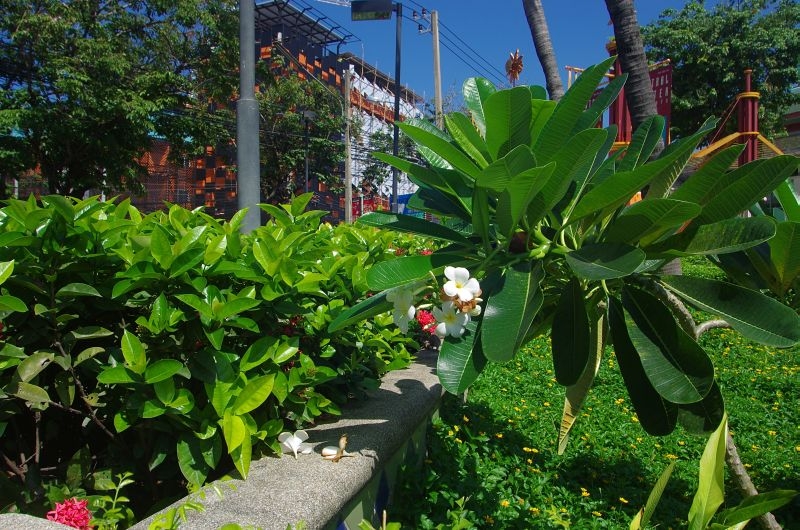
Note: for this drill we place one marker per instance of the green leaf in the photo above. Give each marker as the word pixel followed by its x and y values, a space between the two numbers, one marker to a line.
pixel 508 120
pixel 190 459
pixel 185 261
pixel 499 173
pixel 604 261
pixel 754 315
pixel 161 370
pixel 35 363
pixel 400 271
pixel 234 431
pixel 784 251
pixel 600 103
pixel 644 140
pixel 255 392
pixel 235 306
pixel 64 383
pixel 757 180
pixel 77 289
pixel 90 332
pixel 711 488
pixel 755 506
pixel 12 303
pixel 215 249
pixel 160 247
pixel 463 132
pixel 412 225
pixel 6 268
pixel 674 158
pixel 789 200
pixel 475 91
pixel 646 513
pixel 704 416
pixel 510 309
pixel 480 214
pixel 570 335
pixel 515 199
pixel 721 237
pixel 87 354
pixel 657 416
pixel 153 409
pixel 367 308
pixel 675 364
pixel 441 147
pixel 133 352
pixel 460 360
pixel 241 457
pixel 165 390
pixel 117 374
pixel 710 178
pixel 28 392
pixel 650 217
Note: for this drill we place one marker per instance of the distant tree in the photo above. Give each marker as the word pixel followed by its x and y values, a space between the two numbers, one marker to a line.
pixel 710 49
pixel 86 85
pixel 283 98
pixel 537 22
pixel 376 174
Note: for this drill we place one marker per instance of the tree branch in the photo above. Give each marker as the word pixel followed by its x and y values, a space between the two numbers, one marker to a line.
pixel 711 324
pixel 742 479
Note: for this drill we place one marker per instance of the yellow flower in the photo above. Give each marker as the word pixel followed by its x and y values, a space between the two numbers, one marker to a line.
pixel 504 503
pixel 623 500
pixel 499 435
pixel 597 514
pixel 672 457
pixel 772 433
pixel 466 420
pixel 584 493
pixel 535 510
pixel 546 403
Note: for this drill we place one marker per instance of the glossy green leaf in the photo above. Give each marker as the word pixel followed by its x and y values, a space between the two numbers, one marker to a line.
pixel 160 247
pixel 460 360
pixel 476 90
pixel 153 408
pixel 463 132
pixel 234 431
pixel 784 251
pixel 185 261
pixel 677 367
pixel 76 289
pixel 480 214
pixel 400 271
pixel 253 395
pixel 604 261
pixel 600 102
pixel 754 315
pixel 215 336
pixel 444 148
pixel 754 506
pixel 644 140
pixel 133 352
pixel 657 416
pixel 12 303
pixel 704 416
pixel 242 455
pixel 116 375
pixel 508 119
pixel 642 518
pixel 510 308
pixel 87 354
pixel 757 180
pixel 721 237
pixel 165 390
pixel 28 392
pixel 789 200
pixel 673 159
pixel 570 335
pixel 412 225
pixel 215 249
pixel 367 308
pixel 515 199
pixel 236 306
pixel 190 459
pixel 162 369
pixel 497 175
pixel 35 363
pixel 711 487
pixel 710 178
pixel 650 217
pixel 90 332
pixel 6 268
pixel 541 110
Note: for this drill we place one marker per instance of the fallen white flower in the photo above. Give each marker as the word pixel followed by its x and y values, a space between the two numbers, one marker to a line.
pixel 293 443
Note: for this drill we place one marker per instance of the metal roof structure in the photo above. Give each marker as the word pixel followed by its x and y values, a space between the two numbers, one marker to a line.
pixel 299 19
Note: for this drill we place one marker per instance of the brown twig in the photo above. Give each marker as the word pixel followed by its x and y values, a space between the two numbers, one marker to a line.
pixel 20 472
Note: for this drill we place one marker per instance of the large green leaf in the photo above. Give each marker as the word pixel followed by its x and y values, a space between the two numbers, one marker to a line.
pixel 233 430
pixel 644 515
pixel 600 103
pixel 704 416
pixel 510 308
pixel 789 200
pixel 133 352
pixel 754 315
pixel 721 237
pixel 242 455
pixel 76 289
pixel 461 360
pixel 656 415
pixel 444 148
pixel 568 112
pixel 708 180
pixel 499 173
pixel 400 271
pixel 190 459
pixel 784 251
pixel 475 91
pixel 674 158
pixel 508 120
pixel 412 225
pixel 752 507
pixel 711 487
pixel 471 142
pixel 541 110
pixel 255 392
pixel 6 268
pixel 369 307
pixel 677 367
pixel 650 217
pixel 644 140
pixel 161 370
pixel 160 247
pixel 570 335
pixel 29 392
pixel 757 180
pixel 604 261
pixel 12 303
pixel 515 199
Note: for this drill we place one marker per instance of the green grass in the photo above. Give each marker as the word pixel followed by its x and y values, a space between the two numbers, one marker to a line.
pixel 492 461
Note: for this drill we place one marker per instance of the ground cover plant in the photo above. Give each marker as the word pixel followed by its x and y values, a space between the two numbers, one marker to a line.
pixel 167 349
pixel 493 461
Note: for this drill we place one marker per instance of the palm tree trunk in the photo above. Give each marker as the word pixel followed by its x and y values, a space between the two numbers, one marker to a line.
pixel 544 47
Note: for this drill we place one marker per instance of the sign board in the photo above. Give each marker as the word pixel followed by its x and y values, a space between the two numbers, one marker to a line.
pixel 371 9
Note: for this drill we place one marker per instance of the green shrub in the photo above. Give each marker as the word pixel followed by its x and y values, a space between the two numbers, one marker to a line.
pixel 171 346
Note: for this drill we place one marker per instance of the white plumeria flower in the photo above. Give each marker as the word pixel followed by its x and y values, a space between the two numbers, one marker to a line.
pixel 292 443
pixel 450 320
pixel 404 310
pixel 460 286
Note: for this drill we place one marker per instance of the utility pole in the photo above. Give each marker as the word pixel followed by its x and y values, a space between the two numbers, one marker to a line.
pixel 348 161
pixel 437 71
pixel 398 8
pixel 247 159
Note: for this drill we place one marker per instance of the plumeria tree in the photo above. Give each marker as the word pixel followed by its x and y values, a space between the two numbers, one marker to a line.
pixel 538 238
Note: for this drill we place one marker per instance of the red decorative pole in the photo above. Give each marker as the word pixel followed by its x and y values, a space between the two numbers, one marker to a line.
pixel 748 119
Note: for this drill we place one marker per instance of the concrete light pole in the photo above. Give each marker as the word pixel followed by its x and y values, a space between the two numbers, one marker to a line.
pixel 247 157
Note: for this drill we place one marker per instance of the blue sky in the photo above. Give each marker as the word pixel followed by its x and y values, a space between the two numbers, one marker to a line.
pixel 579 30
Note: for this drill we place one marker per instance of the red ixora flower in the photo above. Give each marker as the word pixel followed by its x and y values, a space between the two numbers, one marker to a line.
pixel 426 252
pixel 71 512
pixel 426 320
